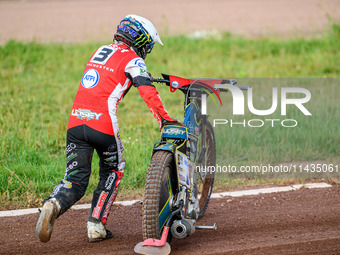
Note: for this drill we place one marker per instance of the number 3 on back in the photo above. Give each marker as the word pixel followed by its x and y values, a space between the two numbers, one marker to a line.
pixel 102 55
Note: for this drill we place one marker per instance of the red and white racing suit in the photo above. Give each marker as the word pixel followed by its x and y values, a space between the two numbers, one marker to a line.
pixel 93 124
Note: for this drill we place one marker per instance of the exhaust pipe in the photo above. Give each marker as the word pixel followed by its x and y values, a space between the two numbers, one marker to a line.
pixel 182 228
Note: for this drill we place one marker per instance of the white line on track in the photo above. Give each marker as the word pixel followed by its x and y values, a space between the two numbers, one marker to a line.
pixel 239 193
pixel 253 192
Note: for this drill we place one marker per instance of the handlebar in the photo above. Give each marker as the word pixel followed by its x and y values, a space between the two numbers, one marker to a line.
pixel 243 87
pixel 232 82
pixel 159 80
pixel 238 86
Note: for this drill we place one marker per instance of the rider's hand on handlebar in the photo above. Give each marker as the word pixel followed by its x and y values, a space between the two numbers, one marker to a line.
pixel 180 123
pixel 169 122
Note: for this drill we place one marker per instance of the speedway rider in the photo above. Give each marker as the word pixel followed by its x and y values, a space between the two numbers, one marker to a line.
pixel 93 124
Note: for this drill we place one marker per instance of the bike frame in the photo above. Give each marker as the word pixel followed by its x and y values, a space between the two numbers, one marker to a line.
pixel 183 143
pixel 185 147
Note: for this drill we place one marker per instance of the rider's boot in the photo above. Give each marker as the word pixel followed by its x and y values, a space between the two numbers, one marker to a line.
pixel 96 232
pixel 48 214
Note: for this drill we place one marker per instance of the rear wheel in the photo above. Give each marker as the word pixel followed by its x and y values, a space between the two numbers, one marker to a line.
pixel 159 193
pixel 205 178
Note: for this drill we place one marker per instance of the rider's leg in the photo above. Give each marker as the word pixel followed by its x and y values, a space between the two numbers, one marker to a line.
pixel 111 169
pixel 72 187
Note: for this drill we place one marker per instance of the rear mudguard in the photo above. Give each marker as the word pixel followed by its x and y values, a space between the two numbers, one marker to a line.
pixel 173 138
pixel 171 147
pixel 183 146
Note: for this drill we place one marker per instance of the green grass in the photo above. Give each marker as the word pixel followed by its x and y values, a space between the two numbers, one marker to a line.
pixel 315 138
pixel 39 83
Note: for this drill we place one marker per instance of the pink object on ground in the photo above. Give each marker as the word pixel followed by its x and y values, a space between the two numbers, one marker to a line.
pixel 156 242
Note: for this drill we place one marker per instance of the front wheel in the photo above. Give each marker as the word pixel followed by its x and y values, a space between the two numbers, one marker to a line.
pixel 159 193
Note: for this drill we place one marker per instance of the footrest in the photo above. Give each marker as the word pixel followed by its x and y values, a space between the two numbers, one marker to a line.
pixel 214 227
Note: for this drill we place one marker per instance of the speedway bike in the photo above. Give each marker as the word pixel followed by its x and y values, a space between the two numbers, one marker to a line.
pixel 178 186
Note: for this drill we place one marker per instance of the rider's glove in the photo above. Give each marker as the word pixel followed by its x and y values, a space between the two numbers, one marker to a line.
pixel 172 122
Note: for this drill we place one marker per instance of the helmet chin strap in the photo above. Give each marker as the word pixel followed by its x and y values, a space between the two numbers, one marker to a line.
pixel 142 53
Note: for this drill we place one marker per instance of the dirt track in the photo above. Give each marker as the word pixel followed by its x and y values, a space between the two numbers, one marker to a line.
pixel 83 20
pixel 297 222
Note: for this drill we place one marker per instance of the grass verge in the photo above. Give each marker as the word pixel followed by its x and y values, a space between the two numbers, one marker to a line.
pixel 39 83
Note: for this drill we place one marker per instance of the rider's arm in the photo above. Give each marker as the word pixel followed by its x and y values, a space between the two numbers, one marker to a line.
pixel 137 72
pixel 151 97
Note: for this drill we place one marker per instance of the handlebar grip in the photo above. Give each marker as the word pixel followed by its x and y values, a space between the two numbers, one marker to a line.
pixel 159 80
pixel 243 87
pixel 223 90
pixel 240 87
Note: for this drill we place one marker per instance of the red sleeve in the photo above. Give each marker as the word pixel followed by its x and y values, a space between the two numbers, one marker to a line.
pixel 151 97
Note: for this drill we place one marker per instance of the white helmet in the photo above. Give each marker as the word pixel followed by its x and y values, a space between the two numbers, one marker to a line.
pixel 139 33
